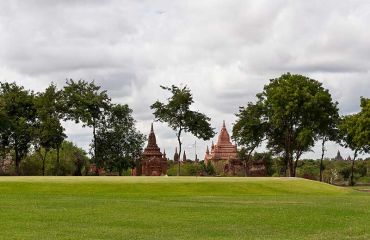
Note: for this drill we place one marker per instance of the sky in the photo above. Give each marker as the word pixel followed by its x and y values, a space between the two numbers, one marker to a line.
pixel 224 51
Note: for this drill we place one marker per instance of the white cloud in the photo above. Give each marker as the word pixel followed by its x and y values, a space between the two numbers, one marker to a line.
pixel 225 51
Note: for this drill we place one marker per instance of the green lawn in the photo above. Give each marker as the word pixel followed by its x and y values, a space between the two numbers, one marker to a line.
pixel 180 208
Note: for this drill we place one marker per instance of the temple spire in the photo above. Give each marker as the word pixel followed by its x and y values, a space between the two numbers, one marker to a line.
pixel 176 156
pixel 223 124
pixel 184 157
pixel 152 141
pixel 207 151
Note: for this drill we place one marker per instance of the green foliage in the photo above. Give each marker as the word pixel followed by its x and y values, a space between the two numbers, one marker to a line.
pixel 187 169
pixel 119 143
pixel 250 129
pixel 208 169
pixel 18 129
pixel 309 169
pixel 292 110
pixel 85 102
pixel 73 161
pixel 49 130
pixel 178 115
pixel 354 132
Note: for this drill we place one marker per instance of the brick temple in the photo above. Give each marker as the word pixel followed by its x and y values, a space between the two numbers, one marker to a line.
pixel 224 156
pixel 153 163
pixel 223 150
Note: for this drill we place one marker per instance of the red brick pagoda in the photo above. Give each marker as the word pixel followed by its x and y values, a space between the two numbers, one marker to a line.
pixel 224 157
pixel 223 150
pixel 154 163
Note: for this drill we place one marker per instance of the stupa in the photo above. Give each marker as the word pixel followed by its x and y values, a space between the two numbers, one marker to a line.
pixel 224 157
pixel 153 163
pixel 223 150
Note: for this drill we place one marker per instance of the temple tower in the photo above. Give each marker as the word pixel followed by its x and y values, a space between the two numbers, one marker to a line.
pixel 154 163
pixel 224 149
pixel 176 156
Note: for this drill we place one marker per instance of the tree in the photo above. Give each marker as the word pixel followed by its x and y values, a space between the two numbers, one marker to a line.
pixel 178 115
pixel 328 130
pixel 354 132
pixel 249 130
pixel 4 124
pixel 73 161
pixel 85 102
pixel 49 130
pixel 119 142
pixel 21 113
pixel 293 107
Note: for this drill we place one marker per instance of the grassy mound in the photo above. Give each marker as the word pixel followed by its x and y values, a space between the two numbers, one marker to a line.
pixel 179 208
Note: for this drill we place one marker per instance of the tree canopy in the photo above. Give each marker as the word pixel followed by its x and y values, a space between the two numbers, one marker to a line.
pixel 354 132
pixel 249 130
pixel 49 130
pixel 17 133
pixel 290 112
pixel 178 115
pixel 119 142
pixel 85 102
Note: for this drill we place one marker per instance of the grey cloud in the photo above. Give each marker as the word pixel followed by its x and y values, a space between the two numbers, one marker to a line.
pixel 225 51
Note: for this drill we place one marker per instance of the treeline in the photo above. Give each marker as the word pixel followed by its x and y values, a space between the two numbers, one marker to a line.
pixel 291 114
pixel 335 171
pixel 31 125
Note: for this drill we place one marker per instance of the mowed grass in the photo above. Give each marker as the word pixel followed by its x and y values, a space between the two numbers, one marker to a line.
pixel 180 208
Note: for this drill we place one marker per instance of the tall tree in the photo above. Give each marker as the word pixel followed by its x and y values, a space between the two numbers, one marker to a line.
pixel 4 125
pixel 249 130
pixel 49 130
pixel 178 115
pixel 354 132
pixel 328 130
pixel 120 144
pixel 293 106
pixel 85 102
pixel 21 113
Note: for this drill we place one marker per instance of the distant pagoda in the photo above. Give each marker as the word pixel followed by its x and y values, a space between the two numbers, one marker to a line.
pixel 153 163
pixel 223 150
pixel 224 156
pixel 339 156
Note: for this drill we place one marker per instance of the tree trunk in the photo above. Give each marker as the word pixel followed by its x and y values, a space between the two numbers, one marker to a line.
pixel 95 157
pixel 17 161
pixel 58 160
pixel 298 155
pixel 291 167
pixel 352 182
pixel 178 163
pixel 43 163
pixel 248 161
pixel 322 157
pixel 245 168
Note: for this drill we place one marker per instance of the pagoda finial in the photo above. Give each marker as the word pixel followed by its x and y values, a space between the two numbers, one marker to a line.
pixel 152 141
pixel 164 153
pixel 223 124
pixel 176 156
pixel 207 151
pixel 184 157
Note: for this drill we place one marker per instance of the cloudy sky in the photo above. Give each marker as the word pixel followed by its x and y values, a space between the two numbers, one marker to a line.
pixel 224 51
